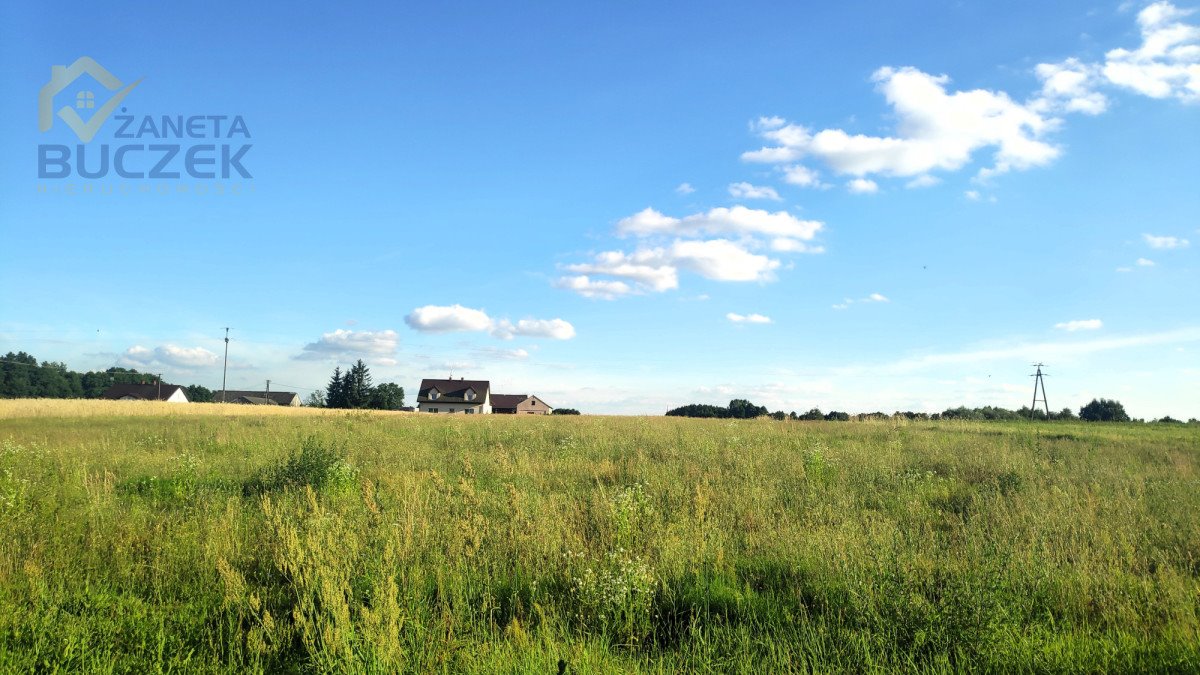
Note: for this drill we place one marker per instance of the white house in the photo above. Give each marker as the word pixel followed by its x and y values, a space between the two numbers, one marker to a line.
pixel 470 397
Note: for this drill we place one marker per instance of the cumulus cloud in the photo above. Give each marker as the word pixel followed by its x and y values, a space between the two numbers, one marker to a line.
pixel 785 245
pixel 605 289
pixel 747 318
pixel 648 269
pixel 1167 64
pixel 657 269
pixel 1154 241
pixel 745 190
pixel 803 176
pixel 685 189
pixel 1069 87
pixel 447 319
pixel 935 130
pixel 862 186
pixel 1081 324
pixel 736 221
pixel 1145 262
pixel 671 245
pixel 169 356
pixel 456 318
pixel 722 260
pixel 555 329
pixel 349 344
pixel 973 195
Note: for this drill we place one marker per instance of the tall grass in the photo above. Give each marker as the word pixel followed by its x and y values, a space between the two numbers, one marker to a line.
pixel 139 539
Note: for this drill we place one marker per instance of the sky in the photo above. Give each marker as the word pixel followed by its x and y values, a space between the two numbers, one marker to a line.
pixel 619 207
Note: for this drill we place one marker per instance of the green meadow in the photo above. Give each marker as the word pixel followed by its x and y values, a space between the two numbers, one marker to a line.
pixel 145 538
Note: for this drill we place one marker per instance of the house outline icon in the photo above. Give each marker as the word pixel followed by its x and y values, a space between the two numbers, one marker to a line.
pixel 61 77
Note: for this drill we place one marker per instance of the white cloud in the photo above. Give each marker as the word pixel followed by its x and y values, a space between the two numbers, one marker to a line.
pixel 973 195
pixel 456 318
pixel 785 245
pixel 1068 87
pixel 745 190
pixel 605 289
pixel 502 354
pixel 747 318
pixel 170 356
pixel 1167 64
pixel 440 319
pixel 923 181
pixel 1165 241
pixel 802 176
pixel 935 130
pixel 874 297
pixel 1145 262
pixel 647 268
pixel 862 186
pixel 737 220
pixel 657 269
pixel 555 329
pixel 1081 324
pixel 731 256
pixel 685 189
pixel 348 344
pixel 1124 269
pixel 722 260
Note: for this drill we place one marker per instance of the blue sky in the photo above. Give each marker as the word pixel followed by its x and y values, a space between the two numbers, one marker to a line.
pixel 873 206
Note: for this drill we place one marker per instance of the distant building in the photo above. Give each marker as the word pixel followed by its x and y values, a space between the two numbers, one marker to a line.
pixel 519 404
pixel 171 393
pixel 471 397
pixel 257 397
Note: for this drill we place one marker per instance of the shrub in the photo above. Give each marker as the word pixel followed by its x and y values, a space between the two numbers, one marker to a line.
pixel 314 465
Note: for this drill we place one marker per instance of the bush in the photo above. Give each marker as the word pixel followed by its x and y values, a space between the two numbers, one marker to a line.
pixel 564 411
pixel 1103 410
pixel 314 465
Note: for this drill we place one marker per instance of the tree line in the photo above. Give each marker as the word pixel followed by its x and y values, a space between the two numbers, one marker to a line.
pixel 1098 410
pixel 22 376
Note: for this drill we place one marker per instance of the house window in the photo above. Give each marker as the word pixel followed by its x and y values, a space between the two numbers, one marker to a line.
pixel 433 394
pixel 433 410
pixel 470 411
pixel 470 395
pixel 85 99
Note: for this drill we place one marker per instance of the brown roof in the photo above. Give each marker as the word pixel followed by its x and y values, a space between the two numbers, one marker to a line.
pixel 144 392
pixel 454 391
pixel 508 400
pixel 279 397
pixel 505 401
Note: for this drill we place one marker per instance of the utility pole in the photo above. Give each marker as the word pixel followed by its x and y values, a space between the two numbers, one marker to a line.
pixel 225 370
pixel 268 390
pixel 159 395
pixel 1039 381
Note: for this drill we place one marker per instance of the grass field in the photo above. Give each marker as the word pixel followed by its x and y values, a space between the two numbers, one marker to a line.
pixel 151 537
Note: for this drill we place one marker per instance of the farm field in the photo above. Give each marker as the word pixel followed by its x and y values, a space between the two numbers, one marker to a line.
pixel 204 538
